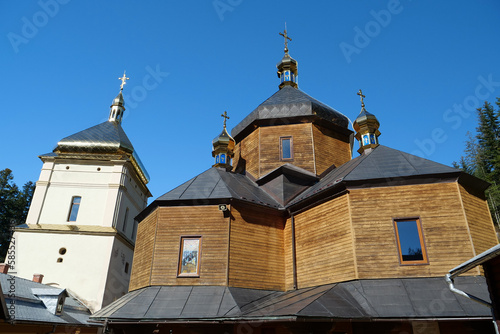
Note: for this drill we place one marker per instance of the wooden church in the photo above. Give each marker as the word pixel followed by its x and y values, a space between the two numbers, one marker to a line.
pixel 286 233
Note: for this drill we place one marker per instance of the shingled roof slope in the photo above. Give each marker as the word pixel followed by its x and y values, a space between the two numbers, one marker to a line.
pixel 291 102
pixel 30 308
pixel 381 164
pixel 107 137
pixel 356 300
pixel 216 183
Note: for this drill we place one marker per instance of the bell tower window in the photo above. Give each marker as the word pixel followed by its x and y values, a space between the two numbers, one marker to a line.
pixel 75 206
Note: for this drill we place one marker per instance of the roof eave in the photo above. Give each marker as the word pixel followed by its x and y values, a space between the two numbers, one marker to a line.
pixel 197 202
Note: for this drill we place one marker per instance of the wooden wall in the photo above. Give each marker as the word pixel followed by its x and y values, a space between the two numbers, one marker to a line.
pixel 479 220
pixel 302 147
pixel 256 258
pixel 348 237
pixel 330 148
pixel 443 222
pixel 248 149
pixel 205 221
pixel 315 148
pixel 288 254
pixel 143 253
pixel 324 244
pixel 158 264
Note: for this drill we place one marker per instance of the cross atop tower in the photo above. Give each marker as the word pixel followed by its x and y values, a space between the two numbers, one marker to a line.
pixel 285 35
pixel 226 117
pixel 361 96
pixel 124 80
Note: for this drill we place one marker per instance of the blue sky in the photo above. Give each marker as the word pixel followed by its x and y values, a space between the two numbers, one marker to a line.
pixel 424 67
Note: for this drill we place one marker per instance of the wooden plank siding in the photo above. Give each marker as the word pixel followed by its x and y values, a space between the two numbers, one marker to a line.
pixel 330 147
pixel 288 255
pixel 207 222
pixel 143 254
pixel 324 250
pixel 302 147
pixel 444 228
pixel 248 149
pixel 256 259
pixel 478 217
pixel 315 148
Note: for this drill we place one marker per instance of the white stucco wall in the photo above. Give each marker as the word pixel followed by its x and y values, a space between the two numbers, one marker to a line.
pixel 106 189
pixel 93 266
pixel 83 269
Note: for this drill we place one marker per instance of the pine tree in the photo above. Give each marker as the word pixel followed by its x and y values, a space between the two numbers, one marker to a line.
pixel 14 205
pixel 482 155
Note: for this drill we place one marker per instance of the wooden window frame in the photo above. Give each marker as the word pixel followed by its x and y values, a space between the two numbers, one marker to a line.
pixel 291 148
pixel 72 205
pixel 417 220
pixel 180 274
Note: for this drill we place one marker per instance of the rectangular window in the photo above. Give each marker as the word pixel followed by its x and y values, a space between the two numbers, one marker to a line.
pixel 189 257
pixel 286 148
pixel 410 241
pixel 75 206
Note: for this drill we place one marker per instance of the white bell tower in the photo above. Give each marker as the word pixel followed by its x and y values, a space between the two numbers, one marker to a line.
pixel 80 230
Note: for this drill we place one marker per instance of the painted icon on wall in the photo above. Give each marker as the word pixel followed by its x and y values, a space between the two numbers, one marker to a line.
pixel 189 261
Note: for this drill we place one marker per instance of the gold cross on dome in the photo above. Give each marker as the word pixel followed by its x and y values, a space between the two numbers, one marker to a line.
pixel 226 117
pixel 285 35
pixel 361 96
pixel 124 80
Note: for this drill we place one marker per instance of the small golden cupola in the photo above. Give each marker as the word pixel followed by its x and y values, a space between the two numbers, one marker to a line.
pixel 223 147
pixel 118 105
pixel 287 67
pixel 366 126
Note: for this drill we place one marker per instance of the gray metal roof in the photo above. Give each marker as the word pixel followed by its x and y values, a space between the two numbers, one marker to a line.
pixel 289 185
pixel 290 102
pixel 30 308
pixel 99 140
pixel 216 183
pixel 357 300
pixel 382 164
pixel 107 137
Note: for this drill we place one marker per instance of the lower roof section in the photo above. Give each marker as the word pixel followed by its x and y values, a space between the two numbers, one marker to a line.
pixel 396 298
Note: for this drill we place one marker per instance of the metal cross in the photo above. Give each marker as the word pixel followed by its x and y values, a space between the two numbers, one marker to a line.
pixel 124 80
pixel 361 96
pixel 226 117
pixel 285 35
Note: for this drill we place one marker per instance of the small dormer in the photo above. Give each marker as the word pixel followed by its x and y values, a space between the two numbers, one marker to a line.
pixel 52 299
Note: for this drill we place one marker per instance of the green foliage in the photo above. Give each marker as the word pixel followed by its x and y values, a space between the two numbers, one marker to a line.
pixel 14 205
pixel 482 155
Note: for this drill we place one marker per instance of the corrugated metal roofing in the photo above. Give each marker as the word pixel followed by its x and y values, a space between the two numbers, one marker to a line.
pixel 356 300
